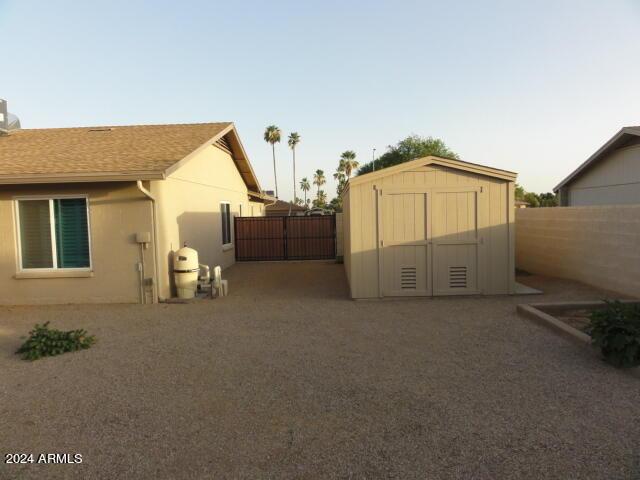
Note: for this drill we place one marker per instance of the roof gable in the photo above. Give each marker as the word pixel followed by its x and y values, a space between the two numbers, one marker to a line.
pixel 617 141
pixel 282 205
pixel 114 153
pixel 432 160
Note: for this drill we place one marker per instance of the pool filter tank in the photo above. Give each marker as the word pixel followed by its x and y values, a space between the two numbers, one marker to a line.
pixel 185 271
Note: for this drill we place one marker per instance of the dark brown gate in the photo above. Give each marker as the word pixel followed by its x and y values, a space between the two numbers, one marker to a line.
pixel 285 238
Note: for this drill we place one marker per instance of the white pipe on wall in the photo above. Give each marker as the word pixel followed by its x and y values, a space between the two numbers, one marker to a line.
pixel 154 228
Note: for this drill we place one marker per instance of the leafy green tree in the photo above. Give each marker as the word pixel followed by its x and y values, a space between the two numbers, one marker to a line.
pixel 305 186
pixel 412 147
pixel 532 199
pixel 348 160
pixel 272 136
pixel 294 139
pixel 548 199
pixel 336 204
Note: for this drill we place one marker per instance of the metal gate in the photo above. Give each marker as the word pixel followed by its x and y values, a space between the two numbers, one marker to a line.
pixel 285 238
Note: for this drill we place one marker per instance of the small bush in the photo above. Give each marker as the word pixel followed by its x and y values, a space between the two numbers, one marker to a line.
pixel 46 342
pixel 616 331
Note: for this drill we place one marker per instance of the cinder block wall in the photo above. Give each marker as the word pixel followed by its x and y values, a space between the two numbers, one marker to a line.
pixel 599 246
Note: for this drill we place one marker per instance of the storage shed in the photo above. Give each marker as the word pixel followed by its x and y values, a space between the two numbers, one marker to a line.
pixel 431 226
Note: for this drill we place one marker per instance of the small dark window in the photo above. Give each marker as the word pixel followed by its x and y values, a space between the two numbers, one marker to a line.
pixel 226 223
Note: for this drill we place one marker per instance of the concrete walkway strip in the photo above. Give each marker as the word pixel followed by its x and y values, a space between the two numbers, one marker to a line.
pixel 533 313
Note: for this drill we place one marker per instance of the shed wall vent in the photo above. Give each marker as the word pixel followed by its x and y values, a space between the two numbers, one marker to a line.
pixel 458 277
pixel 408 278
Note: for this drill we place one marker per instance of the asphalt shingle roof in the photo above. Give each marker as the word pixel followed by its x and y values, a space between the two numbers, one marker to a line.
pixel 100 150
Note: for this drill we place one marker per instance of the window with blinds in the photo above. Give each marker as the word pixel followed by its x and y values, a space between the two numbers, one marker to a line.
pixel 225 210
pixel 54 233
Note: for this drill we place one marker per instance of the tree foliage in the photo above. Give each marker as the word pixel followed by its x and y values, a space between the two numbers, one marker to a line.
pixel 319 179
pixel 294 139
pixel 321 200
pixel 534 200
pixel 348 162
pixel 272 136
pixel 410 148
pixel 335 204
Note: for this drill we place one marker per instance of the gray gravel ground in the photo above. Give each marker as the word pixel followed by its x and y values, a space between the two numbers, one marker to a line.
pixel 287 378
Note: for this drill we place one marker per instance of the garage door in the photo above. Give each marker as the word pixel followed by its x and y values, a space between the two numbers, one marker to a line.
pixel 404 254
pixel 429 242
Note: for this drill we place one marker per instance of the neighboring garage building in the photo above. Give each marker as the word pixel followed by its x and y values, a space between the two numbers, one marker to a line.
pixel 431 226
pixel 611 176
pixel 95 214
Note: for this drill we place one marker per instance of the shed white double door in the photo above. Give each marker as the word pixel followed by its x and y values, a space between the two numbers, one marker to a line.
pixel 428 241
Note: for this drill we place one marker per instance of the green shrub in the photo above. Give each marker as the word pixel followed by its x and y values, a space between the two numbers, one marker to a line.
pixel 45 342
pixel 616 331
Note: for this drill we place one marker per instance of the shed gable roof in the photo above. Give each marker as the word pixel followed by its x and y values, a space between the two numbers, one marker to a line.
pixel 113 153
pixel 432 160
pixel 618 140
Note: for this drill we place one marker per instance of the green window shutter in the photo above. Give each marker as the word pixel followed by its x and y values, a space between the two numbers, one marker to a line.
pixel 35 234
pixel 72 233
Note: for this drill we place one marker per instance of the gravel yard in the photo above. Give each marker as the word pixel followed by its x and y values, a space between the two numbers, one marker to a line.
pixel 287 378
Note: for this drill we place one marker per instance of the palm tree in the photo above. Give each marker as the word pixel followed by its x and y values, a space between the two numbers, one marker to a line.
pixel 272 136
pixel 340 170
pixel 319 179
pixel 340 177
pixel 321 201
pixel 305 187
pixel 350 164
pixel 294 139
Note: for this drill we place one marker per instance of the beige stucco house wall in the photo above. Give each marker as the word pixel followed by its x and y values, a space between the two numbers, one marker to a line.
pixel 430 227
pixel 189 210
pixel 609 177
pixel 166 182
pixel 116 212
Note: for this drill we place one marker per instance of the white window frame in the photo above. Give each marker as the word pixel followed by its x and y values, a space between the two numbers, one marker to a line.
pixel 52 226
pixel 227 246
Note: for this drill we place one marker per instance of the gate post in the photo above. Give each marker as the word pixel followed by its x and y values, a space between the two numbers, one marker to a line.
pixel 286 244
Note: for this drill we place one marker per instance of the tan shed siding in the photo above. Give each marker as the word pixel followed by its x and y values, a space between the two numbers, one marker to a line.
pixel 189 210
pixel 613 180
pixel 364 259
pixel 346 228
pixel 117 211
pixel 595 245
pixel 494 275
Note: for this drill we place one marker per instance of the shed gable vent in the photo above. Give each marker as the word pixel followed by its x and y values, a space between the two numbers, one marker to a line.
pixel 408 278
pixel 458 277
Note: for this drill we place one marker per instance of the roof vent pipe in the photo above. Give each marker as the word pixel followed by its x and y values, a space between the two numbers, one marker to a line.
pixel 4 117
